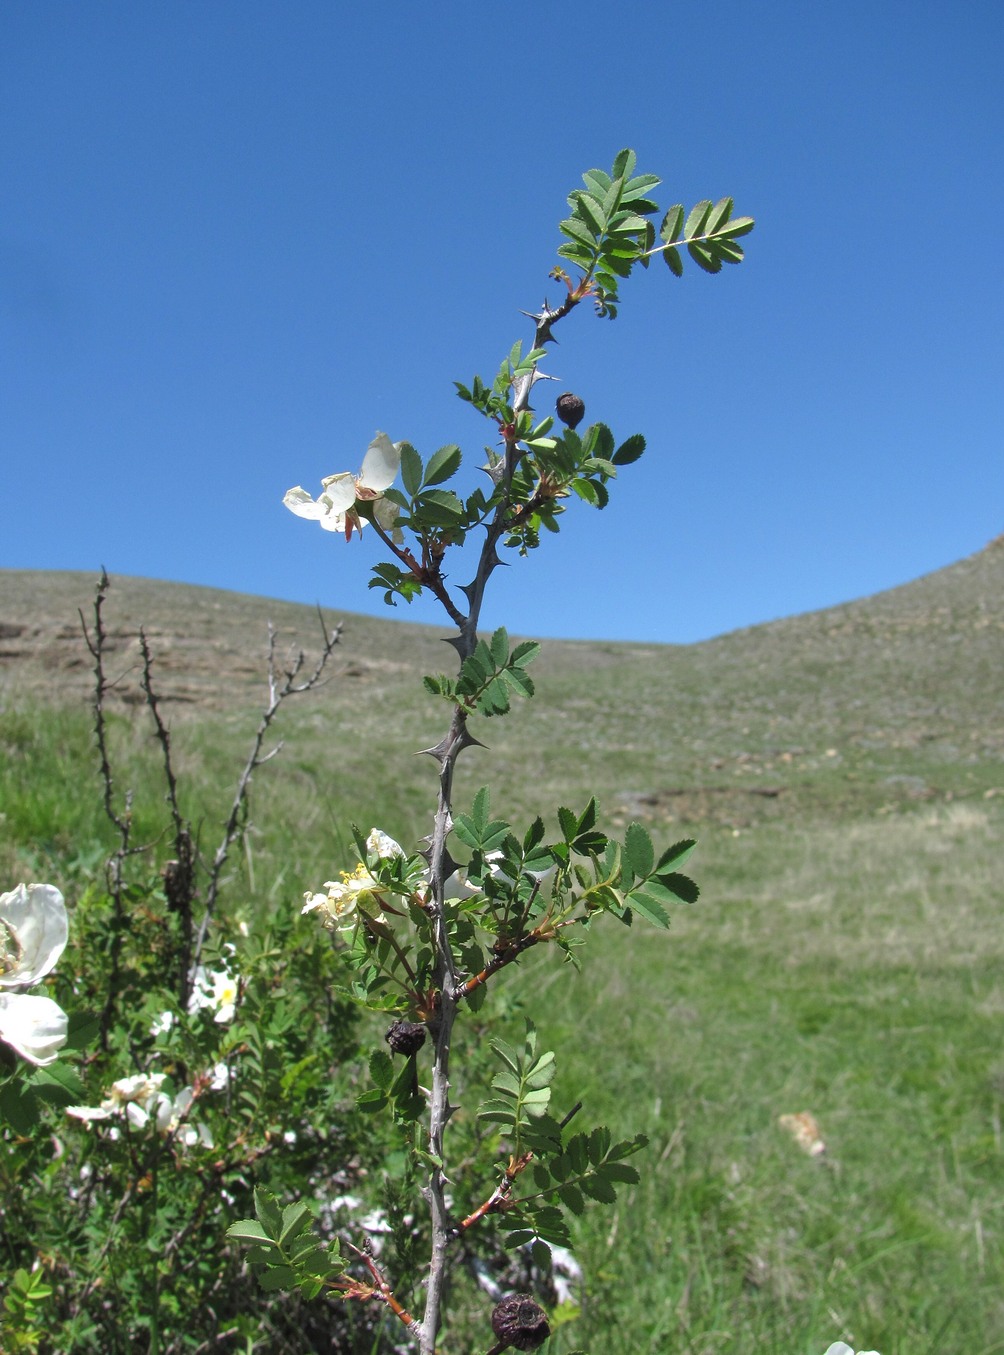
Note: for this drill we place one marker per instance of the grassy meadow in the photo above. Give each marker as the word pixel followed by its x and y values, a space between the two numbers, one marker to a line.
pixel 844 772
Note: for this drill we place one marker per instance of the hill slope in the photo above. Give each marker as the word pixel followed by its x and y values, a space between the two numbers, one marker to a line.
pixel 887 700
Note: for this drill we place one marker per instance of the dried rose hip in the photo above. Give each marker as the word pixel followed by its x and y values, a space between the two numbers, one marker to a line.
pixel 521 1322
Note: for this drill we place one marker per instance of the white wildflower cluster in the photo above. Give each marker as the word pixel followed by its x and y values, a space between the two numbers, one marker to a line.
pixel 141 1100
pixel 842 1348
pixel 33 934
pixel 215 990
pixel 356 892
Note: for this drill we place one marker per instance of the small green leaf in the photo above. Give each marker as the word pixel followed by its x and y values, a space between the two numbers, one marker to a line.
pixel 536 1102
pixel 697 217
pixel 677 854
pixel 638 850
pixel 381 1068
pixel 718 216
pixel 497 1112
pixel 599 1189
pixel 621 1171
pixel 571 1197
pixel 278 1277
pixel 542 1072
pixel 673 261
pixel 624 164
pixel 597 182
pixel 647 907
pixel 681 886
pixel 411 469
pixel 442 465
pixel 629 450
pixel 740 225
pixel 248 1230
pixel 506 1082
pixel 499 648
pixel 579 233
pixel 672 224
pixel 525 652
pixel 295 1218
pixel 506 1053
pixel 269 1215
pixel 704 258
pixel 589 209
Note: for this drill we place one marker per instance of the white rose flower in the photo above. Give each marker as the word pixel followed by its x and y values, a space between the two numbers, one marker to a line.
pixel 33 933
pixel 335 506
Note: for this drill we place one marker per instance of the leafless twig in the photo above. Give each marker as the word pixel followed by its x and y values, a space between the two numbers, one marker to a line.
pixel 282 684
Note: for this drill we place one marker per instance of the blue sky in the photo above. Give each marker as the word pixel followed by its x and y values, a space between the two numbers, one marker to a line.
pixel 238 238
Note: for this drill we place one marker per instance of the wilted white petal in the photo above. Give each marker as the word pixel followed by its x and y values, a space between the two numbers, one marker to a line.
pixel 34 1026
pixel 339 491
pixel 382 845
pixel 89 1113
pixel 335 522
pixel 140 1087
pixel 136 1115
pixel 385 514
pixel 220 1079
pixel 298 501
pixel 380 464
pixel 163 1112
pixel 34 920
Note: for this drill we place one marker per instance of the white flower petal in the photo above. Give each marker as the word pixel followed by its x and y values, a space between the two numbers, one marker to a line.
pixel 136 1115
pixel 89 1113
pixel 298 501
pixel 339 491
pixel 334 522
pixel 385 513
pixel 36 915
pixel 380 464
pixel 34 1026
pixel 382 845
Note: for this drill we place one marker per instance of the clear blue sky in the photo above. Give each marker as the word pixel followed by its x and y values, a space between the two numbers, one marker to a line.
pixel 238 238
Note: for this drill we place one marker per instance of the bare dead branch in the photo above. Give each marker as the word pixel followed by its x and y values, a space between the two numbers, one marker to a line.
pixel 281 686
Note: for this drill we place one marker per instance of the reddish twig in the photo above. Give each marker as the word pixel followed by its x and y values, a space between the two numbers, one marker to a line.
pixel 379 1290
pixel 498 1200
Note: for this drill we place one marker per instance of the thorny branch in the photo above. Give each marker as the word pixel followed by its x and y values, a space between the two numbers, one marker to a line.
pixel 291 684
pixel 97 645
pixel 380 1290
pixel 440 863
pixel 179 873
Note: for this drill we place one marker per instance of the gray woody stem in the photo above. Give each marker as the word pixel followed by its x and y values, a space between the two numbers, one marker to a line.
pixel 441 867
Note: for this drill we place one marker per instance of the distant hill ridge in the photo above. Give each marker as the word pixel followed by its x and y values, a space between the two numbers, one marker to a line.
pixel 201 635
pixel 872 705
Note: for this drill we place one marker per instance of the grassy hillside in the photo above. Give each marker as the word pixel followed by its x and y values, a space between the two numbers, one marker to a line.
pixel 844 772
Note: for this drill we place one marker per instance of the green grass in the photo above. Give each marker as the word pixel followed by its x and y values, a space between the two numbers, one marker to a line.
pixel 880 1013
pixel 844 774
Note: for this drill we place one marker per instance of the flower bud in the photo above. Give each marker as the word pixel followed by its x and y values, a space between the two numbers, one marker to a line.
pixel 406 1037
pixel 521 1322
pixel 570 409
